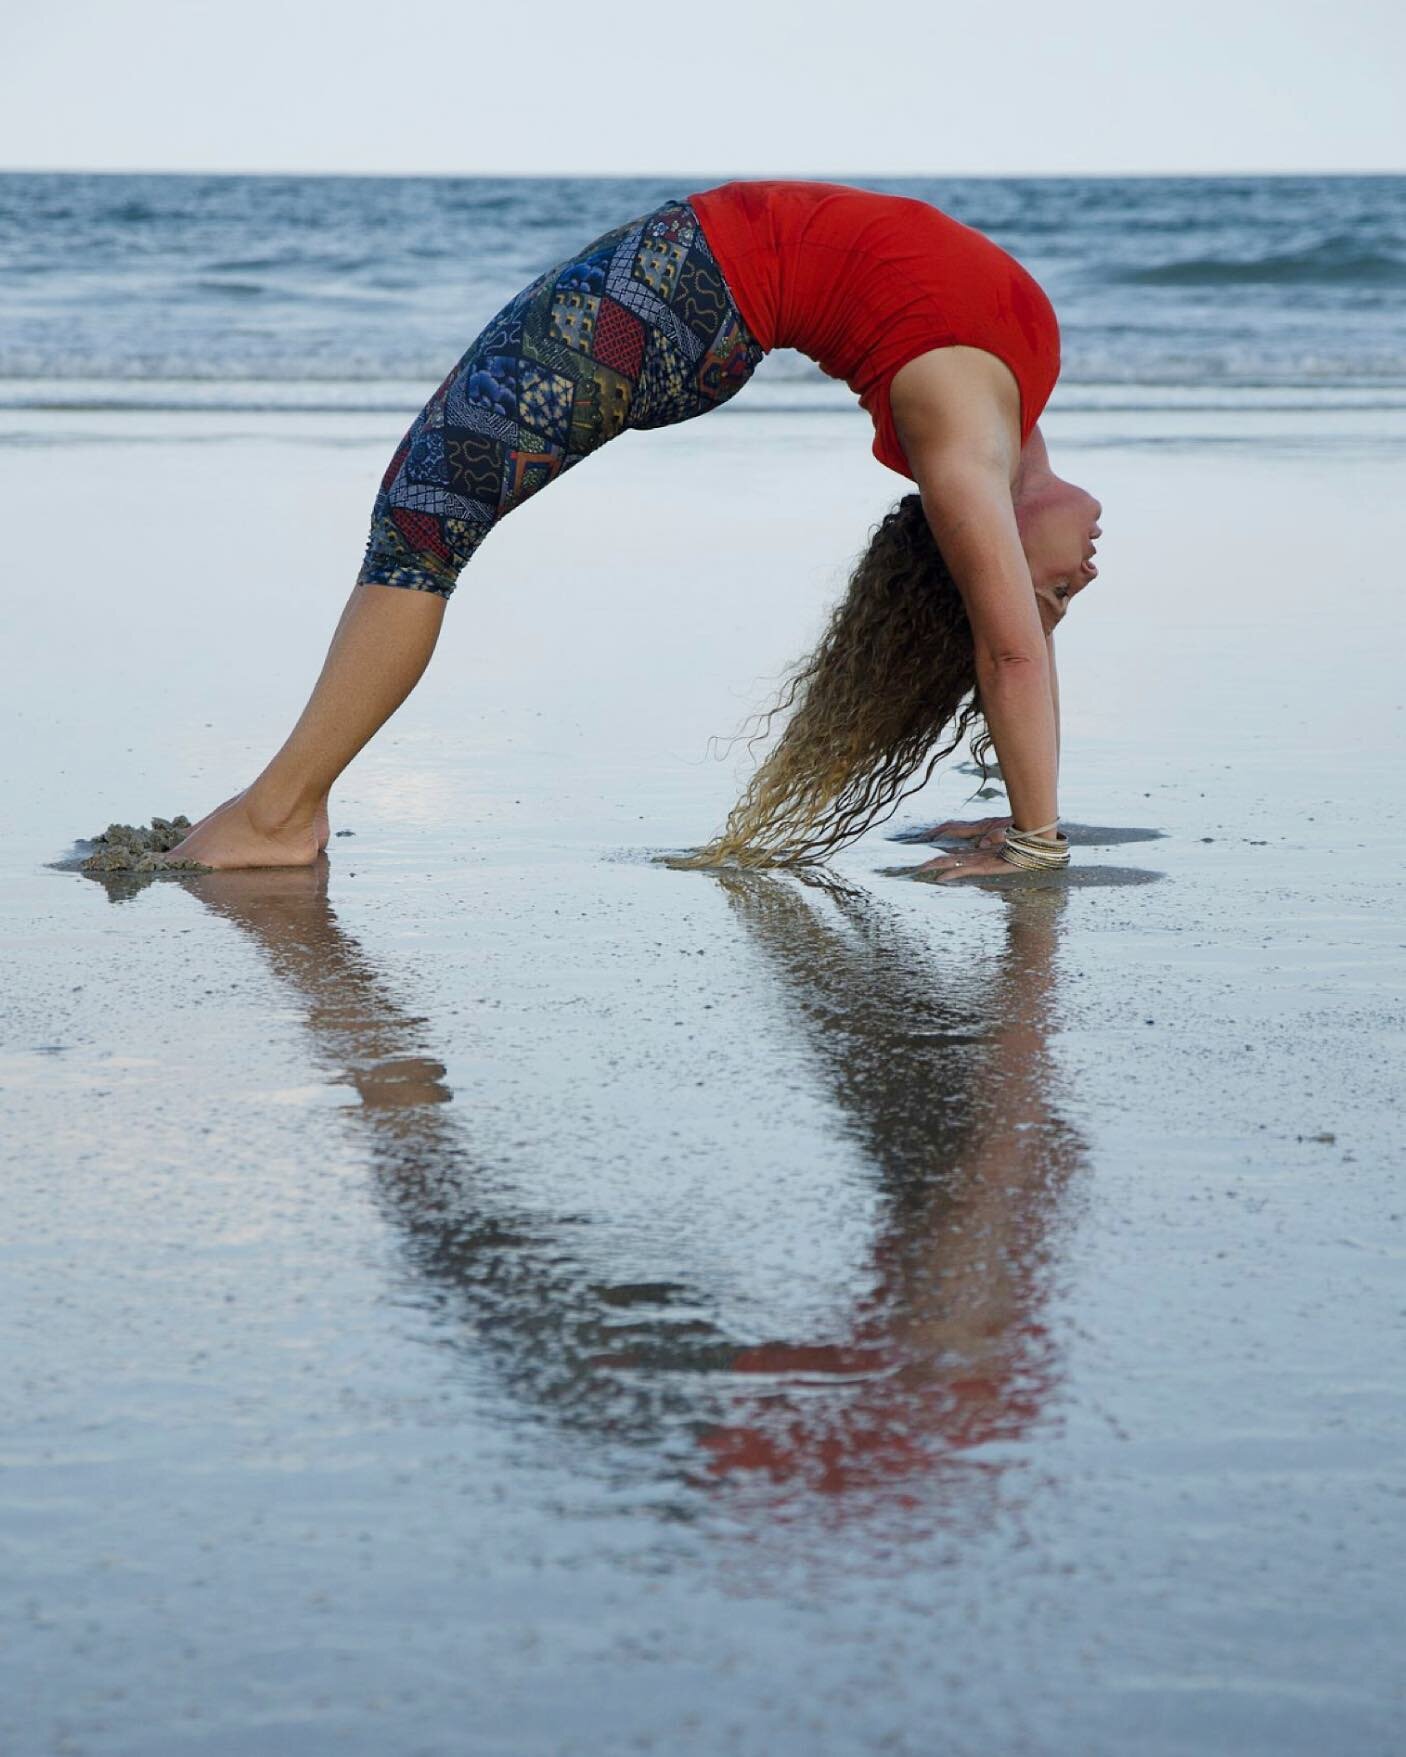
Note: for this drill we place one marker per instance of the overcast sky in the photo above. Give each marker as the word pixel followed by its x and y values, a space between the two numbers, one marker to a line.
pixel 781 87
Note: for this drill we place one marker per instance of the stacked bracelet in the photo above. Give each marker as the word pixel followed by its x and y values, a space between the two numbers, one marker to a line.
pixel 1028 848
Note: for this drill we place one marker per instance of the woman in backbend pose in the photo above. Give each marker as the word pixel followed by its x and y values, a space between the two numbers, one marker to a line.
pixel 944 632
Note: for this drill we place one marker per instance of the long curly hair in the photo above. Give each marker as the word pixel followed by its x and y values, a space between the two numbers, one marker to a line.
pixel 890 689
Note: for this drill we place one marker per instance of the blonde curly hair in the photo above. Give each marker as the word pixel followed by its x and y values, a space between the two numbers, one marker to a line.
pixel 891 683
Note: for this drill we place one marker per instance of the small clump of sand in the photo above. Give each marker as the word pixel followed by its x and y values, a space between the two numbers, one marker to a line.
pixel 142 848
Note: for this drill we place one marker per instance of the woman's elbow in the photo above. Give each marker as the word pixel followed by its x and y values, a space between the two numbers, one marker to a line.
pixel 1011 660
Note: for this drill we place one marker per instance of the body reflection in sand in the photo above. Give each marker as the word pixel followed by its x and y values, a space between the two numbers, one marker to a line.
pixel 942 1069
pixel 944 1072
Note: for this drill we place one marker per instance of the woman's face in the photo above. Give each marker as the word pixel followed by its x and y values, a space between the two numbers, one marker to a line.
pixel 1059 528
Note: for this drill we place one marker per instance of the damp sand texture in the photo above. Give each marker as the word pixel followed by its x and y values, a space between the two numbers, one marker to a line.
pixel 493 1292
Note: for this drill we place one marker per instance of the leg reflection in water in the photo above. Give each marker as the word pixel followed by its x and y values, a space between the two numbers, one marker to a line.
pixel 943 1073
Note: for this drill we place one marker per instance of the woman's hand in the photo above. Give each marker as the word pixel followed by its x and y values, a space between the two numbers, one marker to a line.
pixel 982 832
pixel 954 866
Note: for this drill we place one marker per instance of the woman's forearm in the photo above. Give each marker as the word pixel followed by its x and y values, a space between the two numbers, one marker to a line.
pixel 1018 703
pixel 1054 697
pixel 965 485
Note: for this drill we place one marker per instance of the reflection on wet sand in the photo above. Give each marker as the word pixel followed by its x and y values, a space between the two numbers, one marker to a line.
pixel 946 1078
pixel 941 1068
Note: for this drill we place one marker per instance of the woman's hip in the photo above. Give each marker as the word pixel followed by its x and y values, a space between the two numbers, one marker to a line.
pixel 638 329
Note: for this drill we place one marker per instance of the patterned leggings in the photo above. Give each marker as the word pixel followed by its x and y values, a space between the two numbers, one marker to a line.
pixel 638 329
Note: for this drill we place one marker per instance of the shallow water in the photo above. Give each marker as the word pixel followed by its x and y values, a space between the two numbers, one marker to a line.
pixel 492 1292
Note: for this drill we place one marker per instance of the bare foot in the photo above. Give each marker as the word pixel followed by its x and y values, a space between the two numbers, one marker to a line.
pixel 234 835
pixel 209 814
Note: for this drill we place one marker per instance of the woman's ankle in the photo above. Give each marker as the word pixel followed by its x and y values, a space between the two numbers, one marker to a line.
pixel 273 810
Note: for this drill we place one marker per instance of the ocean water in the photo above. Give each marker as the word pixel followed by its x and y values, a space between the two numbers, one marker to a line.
pixel 355 292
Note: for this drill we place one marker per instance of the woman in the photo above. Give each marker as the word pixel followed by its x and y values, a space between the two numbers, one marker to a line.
pixel 945 630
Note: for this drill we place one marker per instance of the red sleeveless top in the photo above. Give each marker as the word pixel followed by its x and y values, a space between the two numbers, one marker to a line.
pixel 863 283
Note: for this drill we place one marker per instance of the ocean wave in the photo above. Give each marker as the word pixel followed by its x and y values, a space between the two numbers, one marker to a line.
pixel 40 370
pixel 134 212
pixel 1333 262
pixel 396 400
pixel 256 265
pixel 230 289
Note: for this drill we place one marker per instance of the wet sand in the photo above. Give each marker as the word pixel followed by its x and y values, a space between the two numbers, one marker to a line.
pixel 495 1293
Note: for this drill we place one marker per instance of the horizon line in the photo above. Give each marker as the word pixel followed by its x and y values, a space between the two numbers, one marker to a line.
pixel 676 176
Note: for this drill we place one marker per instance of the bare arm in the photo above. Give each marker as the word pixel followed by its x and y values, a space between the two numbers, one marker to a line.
pixel 1054 696
pixel 957 414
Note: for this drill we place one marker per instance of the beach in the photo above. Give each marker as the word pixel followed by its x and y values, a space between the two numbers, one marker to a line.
pixel 496 1293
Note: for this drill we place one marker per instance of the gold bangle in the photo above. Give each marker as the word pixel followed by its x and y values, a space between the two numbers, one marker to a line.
pixel 1024 848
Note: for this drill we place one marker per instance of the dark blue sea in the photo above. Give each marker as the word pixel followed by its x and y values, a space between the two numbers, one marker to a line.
pixel 356 292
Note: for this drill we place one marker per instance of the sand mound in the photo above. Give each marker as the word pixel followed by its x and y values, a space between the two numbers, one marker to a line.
pixel 134 848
